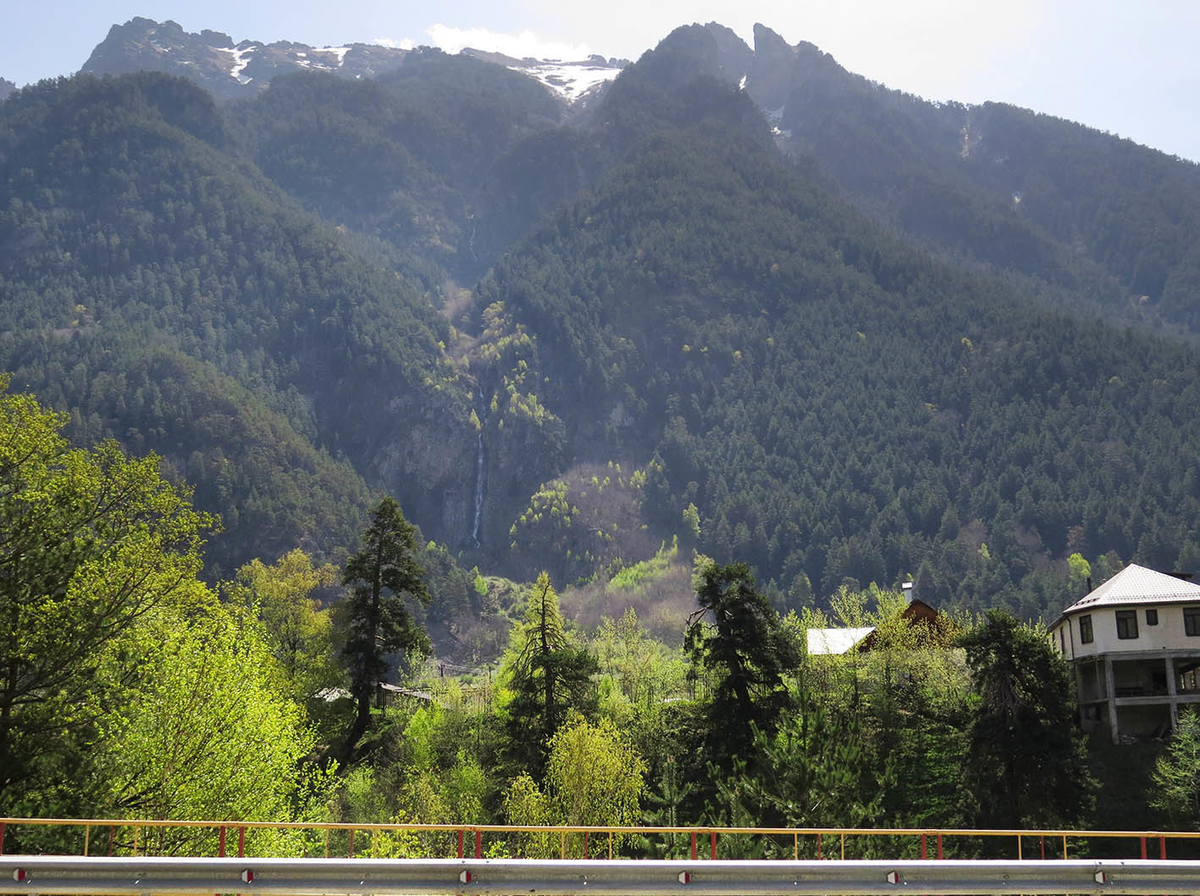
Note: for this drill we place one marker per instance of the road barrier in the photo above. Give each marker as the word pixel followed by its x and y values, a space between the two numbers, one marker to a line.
pixel 144 876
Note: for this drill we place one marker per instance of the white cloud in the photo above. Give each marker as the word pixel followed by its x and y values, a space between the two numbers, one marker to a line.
pixel 526 43
pixel 405 44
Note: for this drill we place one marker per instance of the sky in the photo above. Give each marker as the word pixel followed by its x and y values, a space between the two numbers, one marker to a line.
pixel 1128 67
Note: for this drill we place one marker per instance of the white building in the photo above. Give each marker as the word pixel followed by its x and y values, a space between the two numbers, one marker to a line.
pixel 1134 645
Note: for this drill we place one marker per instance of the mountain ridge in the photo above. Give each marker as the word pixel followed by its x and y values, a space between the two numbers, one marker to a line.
pixel 816 336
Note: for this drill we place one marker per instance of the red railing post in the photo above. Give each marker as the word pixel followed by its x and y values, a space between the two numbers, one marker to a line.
pixel 939 844
pixel 460 842
pixel 241 842
pixel 1162 847
pixel 585 845
pixel 221 844
pixel 1043 839
pixel 478 844
pixel 712 837
pixel 1143 847
pixel 111 834
pixel 924 854
pixel 1 838
pixel 693 846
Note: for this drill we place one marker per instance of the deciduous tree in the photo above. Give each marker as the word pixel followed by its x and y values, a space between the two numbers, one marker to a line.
pixel 91 542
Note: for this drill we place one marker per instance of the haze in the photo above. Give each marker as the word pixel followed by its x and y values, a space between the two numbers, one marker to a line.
pixel 1125 68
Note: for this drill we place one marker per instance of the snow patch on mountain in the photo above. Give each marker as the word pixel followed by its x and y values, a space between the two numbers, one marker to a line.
pixel 570 80
pixel 241 59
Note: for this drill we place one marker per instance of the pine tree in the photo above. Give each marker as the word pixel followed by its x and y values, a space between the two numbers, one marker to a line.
pixel 748 645
pixel 550 676
pixel 383 575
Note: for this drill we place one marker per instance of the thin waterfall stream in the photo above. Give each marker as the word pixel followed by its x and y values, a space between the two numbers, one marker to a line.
pixel 479 473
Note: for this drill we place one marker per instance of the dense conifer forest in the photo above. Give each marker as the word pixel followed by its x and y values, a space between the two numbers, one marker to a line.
pixel 638 392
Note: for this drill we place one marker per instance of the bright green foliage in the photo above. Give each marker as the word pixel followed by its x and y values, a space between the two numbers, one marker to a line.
pixel 299 632
pixel 205 733
pixel 1079 573
pixel 637 576
pixel 582 525
pixel 1177 774
pixel 90 544
pixel 596 777
pixel 638 672
pixel 1025 763
pixel 382 576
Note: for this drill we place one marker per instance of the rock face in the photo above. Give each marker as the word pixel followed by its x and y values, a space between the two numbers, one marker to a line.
pixel 228 70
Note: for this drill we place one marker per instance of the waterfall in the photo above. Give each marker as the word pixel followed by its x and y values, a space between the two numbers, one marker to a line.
pixel 478 486
pixel 479 469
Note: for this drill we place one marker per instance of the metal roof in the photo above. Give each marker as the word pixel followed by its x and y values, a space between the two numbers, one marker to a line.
pixel 1137 585
pixel 833 641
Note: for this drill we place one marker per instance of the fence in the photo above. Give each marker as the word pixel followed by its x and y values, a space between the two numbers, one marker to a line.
pixel 141 837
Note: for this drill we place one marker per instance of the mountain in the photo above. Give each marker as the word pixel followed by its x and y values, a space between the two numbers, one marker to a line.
pixel 1089 217
pixel 575 81
pixel 6 87
pixel 228 70
pixel 235 70
pixel 441 158
pixel 835 403
pixel 131 237
pixel 739 295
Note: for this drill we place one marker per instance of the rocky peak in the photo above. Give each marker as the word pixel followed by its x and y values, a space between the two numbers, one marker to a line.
pixel 212 60
pixel 771 78
pixel 734 56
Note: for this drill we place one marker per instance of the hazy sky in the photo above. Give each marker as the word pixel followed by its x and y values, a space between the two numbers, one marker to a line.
pixel 1125 66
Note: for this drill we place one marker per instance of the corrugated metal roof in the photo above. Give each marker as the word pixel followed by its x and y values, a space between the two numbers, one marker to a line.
pixel 833 641
pixel 1137 585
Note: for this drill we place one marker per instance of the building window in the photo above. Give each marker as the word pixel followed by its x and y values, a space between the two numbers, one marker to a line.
pixel 1191 620
pixel 1126 624
pixel 1152 617
pixel 1085 627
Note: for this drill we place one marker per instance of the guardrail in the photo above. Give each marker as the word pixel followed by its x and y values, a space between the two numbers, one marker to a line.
pixel 78 876
pixel 133 837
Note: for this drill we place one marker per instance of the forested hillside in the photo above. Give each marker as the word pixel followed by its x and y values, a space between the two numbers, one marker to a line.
pixel 836 404
pixel 168 294
pixel 852 338
pixel 1095 221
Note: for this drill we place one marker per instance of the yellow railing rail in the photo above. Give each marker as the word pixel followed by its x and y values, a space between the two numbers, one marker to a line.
pixel 136 832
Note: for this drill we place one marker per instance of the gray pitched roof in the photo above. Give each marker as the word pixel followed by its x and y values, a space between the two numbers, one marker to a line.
pixel 1137 585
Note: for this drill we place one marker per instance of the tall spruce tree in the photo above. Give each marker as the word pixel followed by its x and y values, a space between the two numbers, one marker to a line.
pixel 746 642
pixel 383 575
pixel 1025 763
pixel 550 676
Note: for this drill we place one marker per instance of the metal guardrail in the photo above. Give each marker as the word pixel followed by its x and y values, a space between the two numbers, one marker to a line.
pixel 78 876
